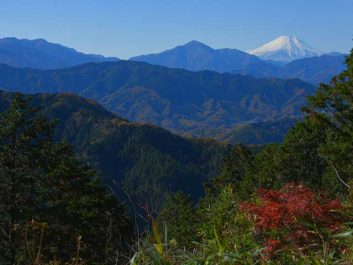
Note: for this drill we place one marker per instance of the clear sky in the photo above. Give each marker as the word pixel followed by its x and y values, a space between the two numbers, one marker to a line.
pixel 125 28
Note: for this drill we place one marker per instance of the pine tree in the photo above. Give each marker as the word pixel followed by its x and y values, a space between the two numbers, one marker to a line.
pixel 24 138
pixel 234 168
pixel 332 108
pixel 179 217
pixel 42 182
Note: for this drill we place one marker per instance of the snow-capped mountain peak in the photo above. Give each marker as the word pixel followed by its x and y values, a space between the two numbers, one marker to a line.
pixel 285 48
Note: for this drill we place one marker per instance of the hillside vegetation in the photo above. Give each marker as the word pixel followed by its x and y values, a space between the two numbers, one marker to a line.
pixel 144 161
pixel 178 100
pixel 291 203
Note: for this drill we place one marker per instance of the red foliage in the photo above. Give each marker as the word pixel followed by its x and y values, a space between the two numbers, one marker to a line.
pixel 292 212
pixel 271 245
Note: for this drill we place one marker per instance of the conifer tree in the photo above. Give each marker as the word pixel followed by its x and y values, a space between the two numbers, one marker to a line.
pixel 42 182
pixel 234 168
pixel 179 217
pixel 332 108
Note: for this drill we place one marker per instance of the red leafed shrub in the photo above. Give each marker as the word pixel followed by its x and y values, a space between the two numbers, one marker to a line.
pixel 294 216
pixel 271 245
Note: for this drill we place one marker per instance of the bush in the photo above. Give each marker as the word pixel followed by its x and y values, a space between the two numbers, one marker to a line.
pixel 294 218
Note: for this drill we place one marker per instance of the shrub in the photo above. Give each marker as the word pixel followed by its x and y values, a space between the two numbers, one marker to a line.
pixel 294 217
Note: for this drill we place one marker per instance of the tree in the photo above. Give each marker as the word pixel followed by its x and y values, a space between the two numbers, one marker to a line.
pixel 301 160
pixel 318 150
pixel 42 182
pixel 332 108
pixel 178 214
pixel 234 168
pixel 24 139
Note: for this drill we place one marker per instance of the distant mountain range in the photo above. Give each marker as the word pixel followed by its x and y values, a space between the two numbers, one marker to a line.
pixel 41 54
pixel 179 100
pixel 285 57
pixel 314 70
pixel 286 49
pixel 196 56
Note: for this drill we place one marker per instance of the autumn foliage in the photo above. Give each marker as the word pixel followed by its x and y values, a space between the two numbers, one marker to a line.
pixel 293 216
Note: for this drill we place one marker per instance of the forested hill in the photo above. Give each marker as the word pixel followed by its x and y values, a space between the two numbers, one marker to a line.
pixel 179 100
pixel 147 161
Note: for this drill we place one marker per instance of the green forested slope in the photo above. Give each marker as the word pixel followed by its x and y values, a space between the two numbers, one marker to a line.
pixel 148 161
pixel 179 100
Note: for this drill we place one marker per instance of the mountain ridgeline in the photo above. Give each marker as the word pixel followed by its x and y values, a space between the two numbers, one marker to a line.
pixel 143 161
pixel 315 70
pixel 285 57
pixel 179 100
pixel 196 56
pixel 42 54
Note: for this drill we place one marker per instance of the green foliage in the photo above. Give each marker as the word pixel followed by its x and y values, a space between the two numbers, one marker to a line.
pixel 24 144
pixel 316 151
pixel 222 236
pixel 293 225
pixel 179 216
pixel 224 228
pixel 43 182
pixel 144 161
pixel 297 159
pixel 235 166
pixel 332 108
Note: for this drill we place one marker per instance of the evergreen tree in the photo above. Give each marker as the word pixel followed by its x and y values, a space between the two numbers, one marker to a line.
pixel 234 168
pixel 332 107
pixel 42 182
pixel 178 215
pixel 24 140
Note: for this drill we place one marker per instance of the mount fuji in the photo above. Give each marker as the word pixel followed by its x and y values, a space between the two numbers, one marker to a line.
pixel 285 49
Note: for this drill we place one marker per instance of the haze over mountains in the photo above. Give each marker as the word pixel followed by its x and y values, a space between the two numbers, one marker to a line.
pixel 285 57
pixel 41 54
pixel 219 104
pixel 196 56
pixel 179 100
pixel 279 58
pixel 315 70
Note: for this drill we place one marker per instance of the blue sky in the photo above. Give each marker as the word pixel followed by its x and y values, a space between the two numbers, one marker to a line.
pixel 125 28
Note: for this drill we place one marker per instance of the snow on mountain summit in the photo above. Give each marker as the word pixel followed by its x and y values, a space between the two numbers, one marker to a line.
pixel 285 48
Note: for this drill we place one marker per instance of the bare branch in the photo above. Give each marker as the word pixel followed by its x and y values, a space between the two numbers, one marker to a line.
pixel 338 176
